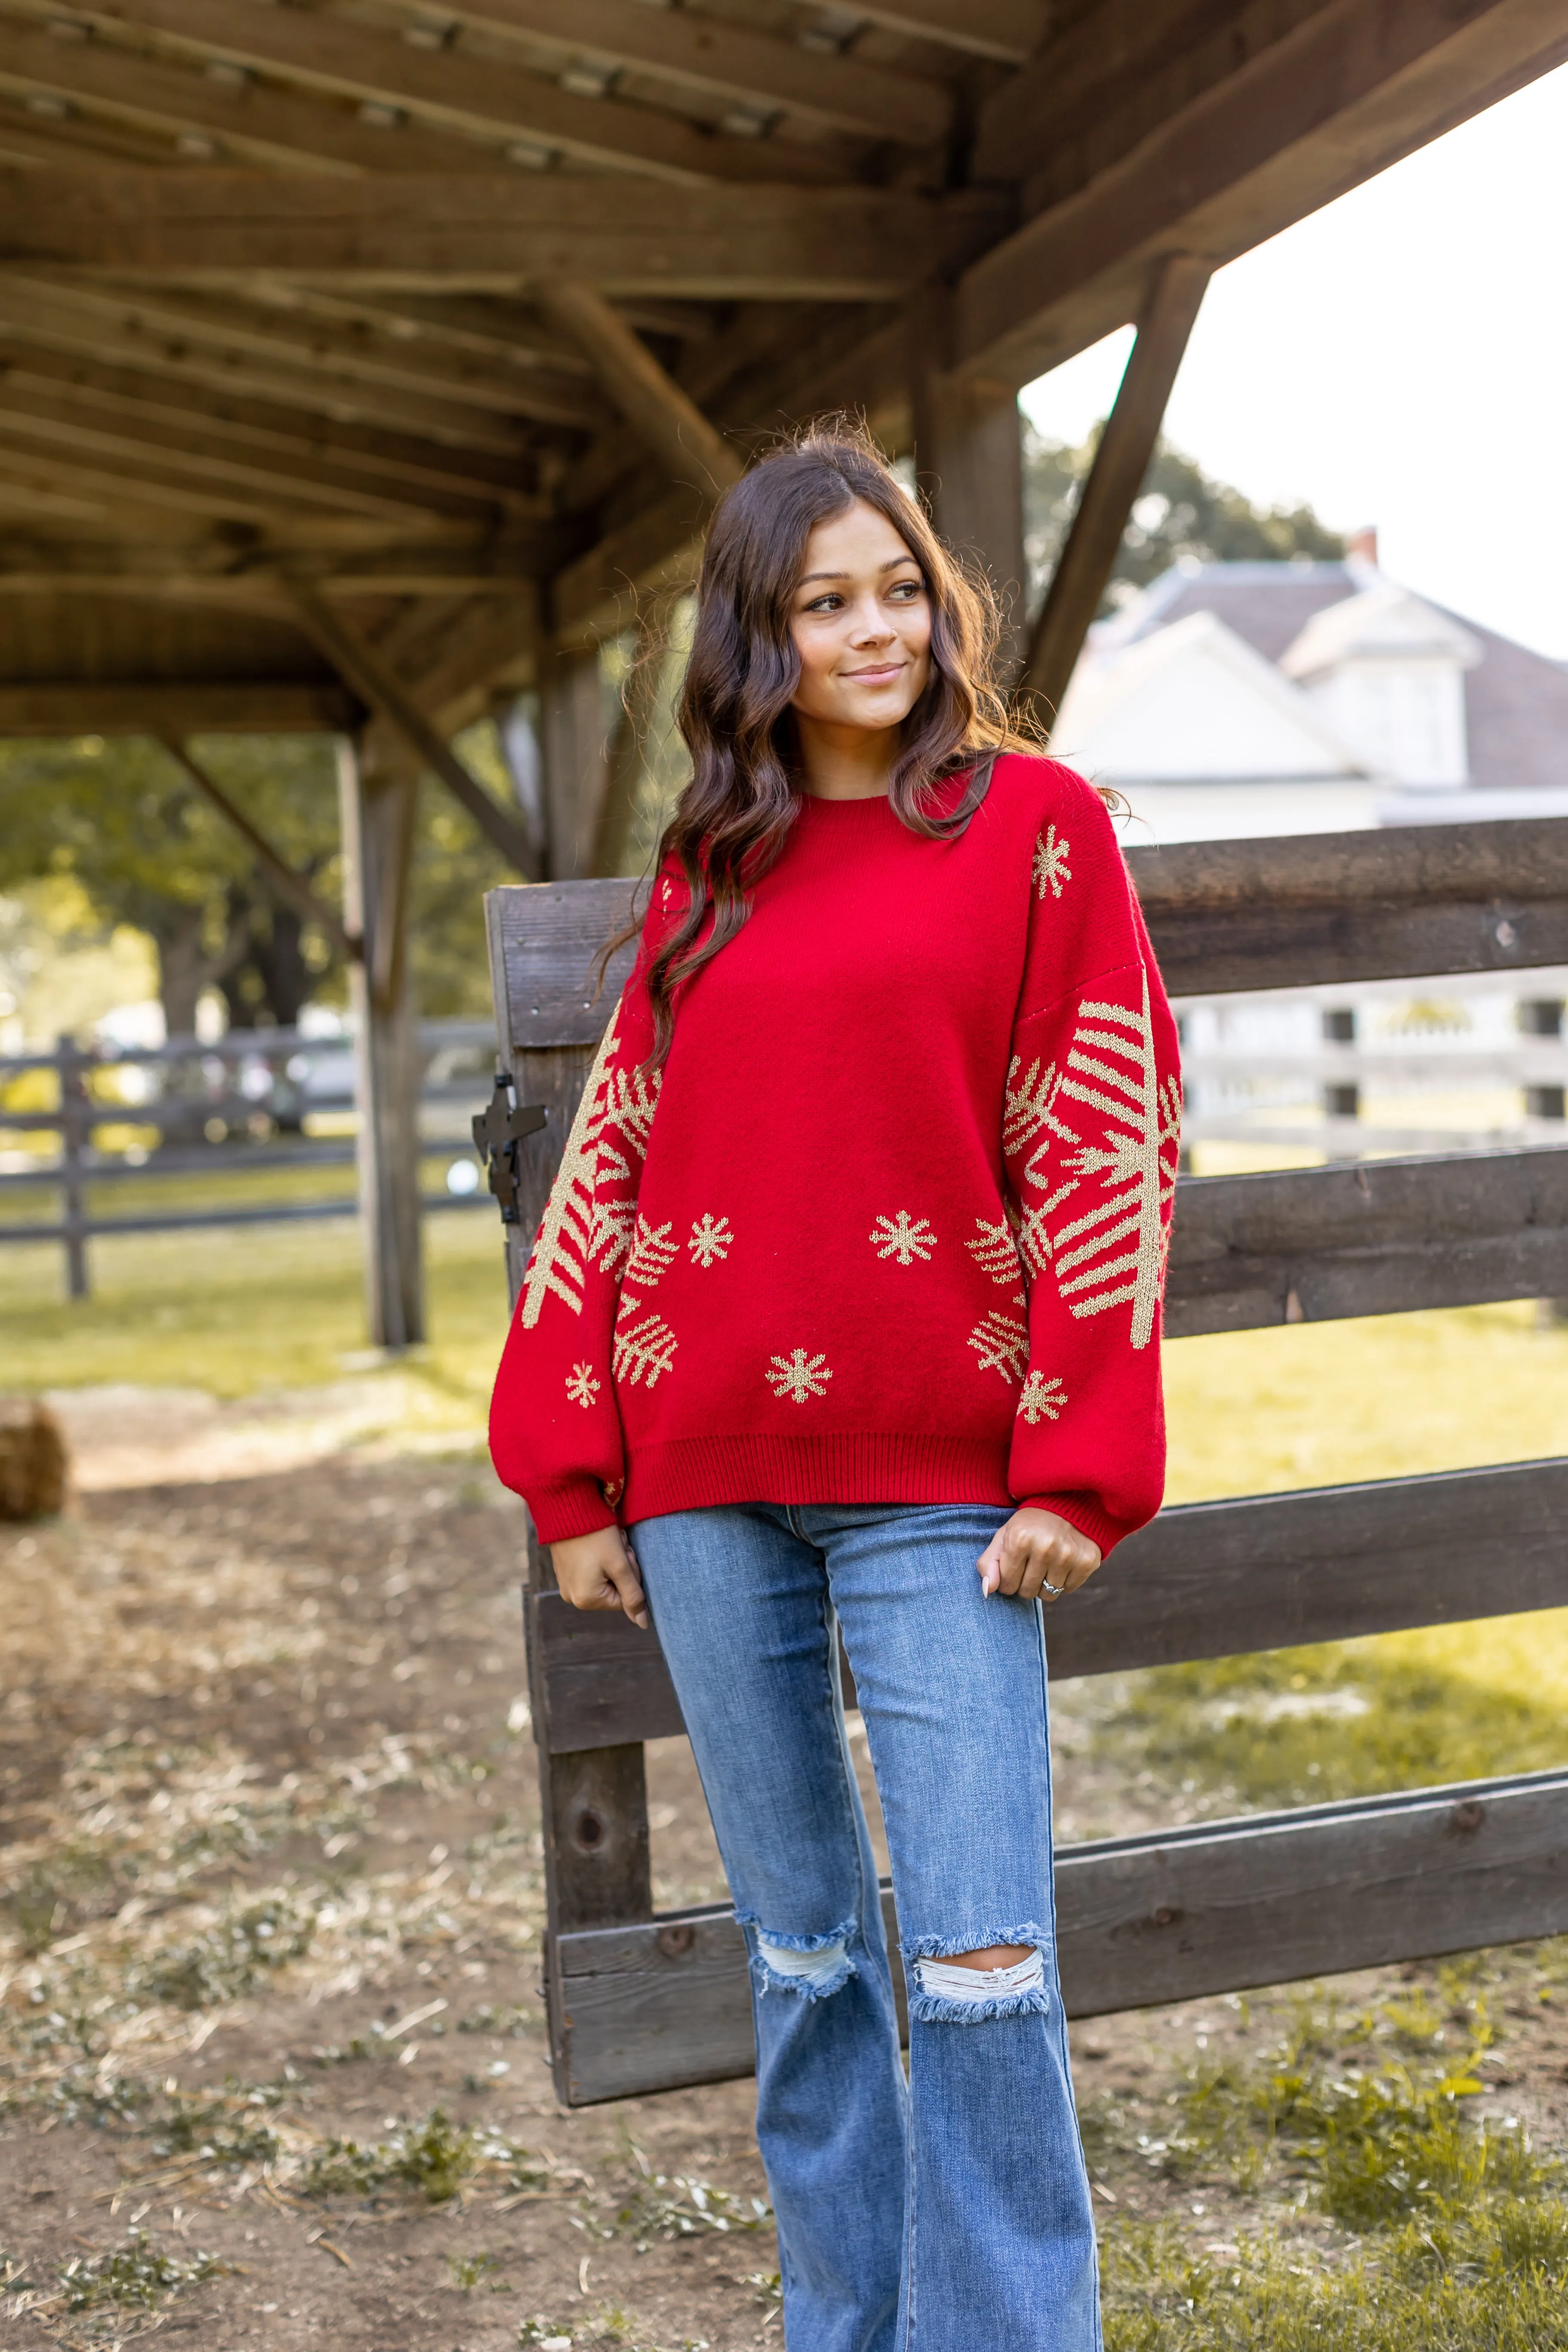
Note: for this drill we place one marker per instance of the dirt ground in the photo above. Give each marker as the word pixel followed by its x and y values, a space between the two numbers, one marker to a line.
pixel 272 1871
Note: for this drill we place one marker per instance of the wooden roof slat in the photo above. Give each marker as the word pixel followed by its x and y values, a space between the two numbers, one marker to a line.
pixel 515 337
pixel 714 55
pixel 367 452
pixel 1007 30
pixel 36 559
pixel 76 316
pixel 67 417
pixel 207 707
pixel 446 86
pixel 483 232
pixel 255 121
pixel 273 322
pixel 419 475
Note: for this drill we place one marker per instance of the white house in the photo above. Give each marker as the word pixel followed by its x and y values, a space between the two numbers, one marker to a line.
pixel 1232 698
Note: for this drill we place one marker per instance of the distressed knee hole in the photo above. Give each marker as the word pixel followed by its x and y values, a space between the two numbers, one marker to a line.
pixel 942 1990
pixel 811 1966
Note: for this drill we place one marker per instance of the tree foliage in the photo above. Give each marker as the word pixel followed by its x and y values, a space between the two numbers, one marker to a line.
pixel 1181 512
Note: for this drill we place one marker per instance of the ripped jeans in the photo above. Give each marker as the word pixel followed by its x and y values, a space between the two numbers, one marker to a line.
pixel 954 2216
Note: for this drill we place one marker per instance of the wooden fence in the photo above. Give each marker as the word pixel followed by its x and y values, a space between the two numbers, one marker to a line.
pixel 642 2001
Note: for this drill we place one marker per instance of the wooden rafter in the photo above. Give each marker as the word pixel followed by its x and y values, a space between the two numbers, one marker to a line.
pixel 653 404
pixel 358 664
pixel 453 87
pixel 708 55
pixel 484 232
pixel 1126 446
pixel 1300 120
pixel 220 706
pixel 299 891
pixel 1007 30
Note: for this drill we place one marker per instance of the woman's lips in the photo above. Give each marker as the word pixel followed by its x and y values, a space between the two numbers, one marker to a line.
pixel 875 676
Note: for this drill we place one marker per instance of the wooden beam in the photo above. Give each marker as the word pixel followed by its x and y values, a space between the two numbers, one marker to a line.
pixel 454 88
pixel 488 232
pixel 712 58
pixel 1141 1921
pixel 361 667
pixel 97 323
pixel 110 410
pixel 1126 446
pixel 1330 906
pixel 377 831
pixel 656 553
pixel 270 327
pixel 403 461
pixel 239 706
pixel 968 441
pixel 652 403
pixel 245 120
pixel 573 751
pixel 1204 1580
pixel 289 885
pixel 1007 30
pixel 1300 120
pixel 1381 1237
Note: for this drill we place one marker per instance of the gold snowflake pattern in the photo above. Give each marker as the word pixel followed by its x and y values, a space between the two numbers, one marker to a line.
pixel 708 1239
pixel 581 1385
pixel 652 1250
pixel 996 1250
pixel 1002 1343
pixel 798 1375
pixel 644 1350
pixel 1043 1399
pixel 908 1239
pixel 1051 867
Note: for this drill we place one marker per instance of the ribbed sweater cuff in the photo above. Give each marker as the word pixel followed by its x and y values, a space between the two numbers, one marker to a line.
pixel 1082 1512
pixel 572 1506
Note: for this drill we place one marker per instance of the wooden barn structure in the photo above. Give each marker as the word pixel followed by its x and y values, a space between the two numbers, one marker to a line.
pixel 364 362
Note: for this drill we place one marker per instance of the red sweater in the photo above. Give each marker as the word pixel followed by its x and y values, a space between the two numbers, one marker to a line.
pixel 890 1224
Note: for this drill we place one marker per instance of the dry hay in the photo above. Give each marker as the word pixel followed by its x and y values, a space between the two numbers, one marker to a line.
pixel 35 1468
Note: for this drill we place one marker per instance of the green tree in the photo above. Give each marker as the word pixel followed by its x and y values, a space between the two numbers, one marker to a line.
pixel 1180 512
pixel 146 848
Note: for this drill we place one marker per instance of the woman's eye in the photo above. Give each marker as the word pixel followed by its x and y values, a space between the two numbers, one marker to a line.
pixel 826 603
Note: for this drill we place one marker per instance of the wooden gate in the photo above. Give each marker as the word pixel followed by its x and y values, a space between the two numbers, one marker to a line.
pixel 640 2000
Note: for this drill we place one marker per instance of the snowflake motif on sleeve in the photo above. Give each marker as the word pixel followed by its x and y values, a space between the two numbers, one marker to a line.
pixel 652 1250
pixel 581 1385
pixel 1121 1130
pixel 1043 1399
pixel 1002 1343
pixel 798 1375
pixel 1051 867
pixel 582 1222
pixel 995 1249
pixel 908 1239
pixel 708 1239
pixel 644 1350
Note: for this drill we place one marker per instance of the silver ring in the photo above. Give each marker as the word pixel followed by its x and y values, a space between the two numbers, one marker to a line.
pixel 1056 1591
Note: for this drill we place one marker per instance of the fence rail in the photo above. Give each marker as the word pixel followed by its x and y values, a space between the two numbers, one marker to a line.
pixel 640 2000
pixel 281 1065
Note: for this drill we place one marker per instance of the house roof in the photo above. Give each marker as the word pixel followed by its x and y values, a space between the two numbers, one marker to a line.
pixel 1516 701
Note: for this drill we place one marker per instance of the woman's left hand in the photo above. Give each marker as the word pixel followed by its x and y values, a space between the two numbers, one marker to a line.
pixel 1037 1555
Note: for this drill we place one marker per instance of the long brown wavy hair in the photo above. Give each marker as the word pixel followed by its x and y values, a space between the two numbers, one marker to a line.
pixel 735 815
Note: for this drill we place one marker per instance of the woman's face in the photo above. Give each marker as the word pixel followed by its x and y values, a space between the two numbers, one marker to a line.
pixel 860 619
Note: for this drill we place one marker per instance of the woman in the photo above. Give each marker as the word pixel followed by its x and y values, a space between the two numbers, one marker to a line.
pixel 845 1312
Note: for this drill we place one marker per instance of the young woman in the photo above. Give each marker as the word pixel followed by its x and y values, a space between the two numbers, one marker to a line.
pixel 845 1312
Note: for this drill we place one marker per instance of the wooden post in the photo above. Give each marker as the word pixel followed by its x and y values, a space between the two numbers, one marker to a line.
pixel 1342 1096
pixel 1126 446
pixel 574 755
pixel 377 835
pixel 74 1126
pixel 969 465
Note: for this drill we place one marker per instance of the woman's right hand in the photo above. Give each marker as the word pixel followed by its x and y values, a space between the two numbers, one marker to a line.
pixel 598 1571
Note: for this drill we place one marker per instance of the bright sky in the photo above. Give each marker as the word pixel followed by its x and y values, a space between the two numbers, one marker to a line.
pixel 1401 358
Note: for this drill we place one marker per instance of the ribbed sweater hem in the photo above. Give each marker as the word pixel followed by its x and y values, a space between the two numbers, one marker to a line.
pixel 572 1507
pixel 691 1473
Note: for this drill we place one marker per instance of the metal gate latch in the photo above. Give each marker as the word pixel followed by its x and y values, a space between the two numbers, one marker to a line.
pixel 498 1129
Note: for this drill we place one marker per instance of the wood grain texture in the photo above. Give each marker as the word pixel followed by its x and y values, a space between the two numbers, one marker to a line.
pixel 545 944
pixel 1205 1580
pixel 1141 1922
pixel 1380 1237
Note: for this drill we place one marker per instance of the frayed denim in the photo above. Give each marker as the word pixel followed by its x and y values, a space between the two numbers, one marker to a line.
pixel 952 2214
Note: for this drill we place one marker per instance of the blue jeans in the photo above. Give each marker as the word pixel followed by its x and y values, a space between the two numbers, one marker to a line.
pixel 954 2216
